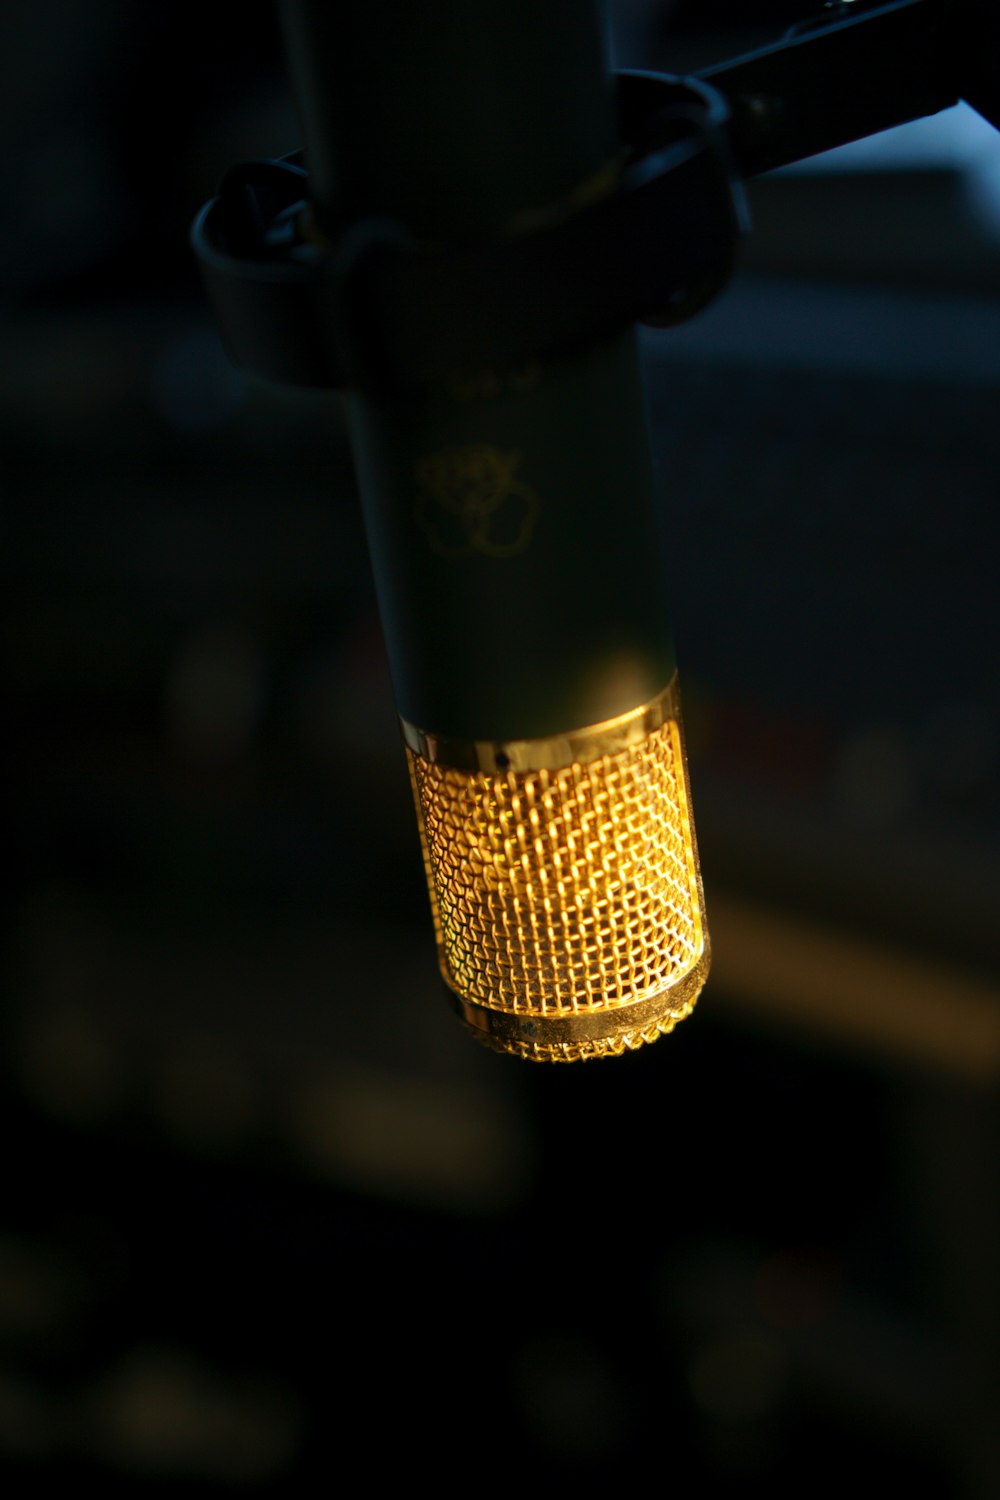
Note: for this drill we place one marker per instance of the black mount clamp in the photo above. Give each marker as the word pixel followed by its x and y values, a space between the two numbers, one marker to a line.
pixel 378 311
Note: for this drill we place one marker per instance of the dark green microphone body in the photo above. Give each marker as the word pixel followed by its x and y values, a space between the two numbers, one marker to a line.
pixel 519 558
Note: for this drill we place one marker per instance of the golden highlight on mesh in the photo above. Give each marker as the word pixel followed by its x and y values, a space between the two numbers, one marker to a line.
pixel 567 892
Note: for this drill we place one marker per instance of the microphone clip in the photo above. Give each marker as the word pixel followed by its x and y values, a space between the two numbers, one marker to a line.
pixel 379 311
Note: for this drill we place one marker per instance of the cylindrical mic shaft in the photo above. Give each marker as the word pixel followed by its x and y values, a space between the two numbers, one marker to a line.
pixel 518 557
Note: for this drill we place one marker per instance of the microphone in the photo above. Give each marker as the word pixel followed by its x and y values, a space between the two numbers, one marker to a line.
pixel 475 241
pixel 517 551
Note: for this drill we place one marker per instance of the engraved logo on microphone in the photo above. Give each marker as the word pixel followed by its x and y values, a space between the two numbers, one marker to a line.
pixel 470 500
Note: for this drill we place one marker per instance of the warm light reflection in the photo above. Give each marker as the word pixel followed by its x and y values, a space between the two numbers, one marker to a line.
pixel 567 898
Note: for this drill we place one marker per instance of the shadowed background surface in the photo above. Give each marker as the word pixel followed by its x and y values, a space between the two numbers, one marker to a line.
pixel 265 1205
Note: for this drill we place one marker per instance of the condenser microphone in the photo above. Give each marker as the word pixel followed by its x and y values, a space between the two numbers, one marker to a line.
pixel 517 552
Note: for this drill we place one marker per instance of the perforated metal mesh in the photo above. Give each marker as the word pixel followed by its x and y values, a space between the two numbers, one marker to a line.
pixel 564 892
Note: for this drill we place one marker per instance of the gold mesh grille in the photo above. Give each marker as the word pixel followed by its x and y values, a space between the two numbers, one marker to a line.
pixel 562 894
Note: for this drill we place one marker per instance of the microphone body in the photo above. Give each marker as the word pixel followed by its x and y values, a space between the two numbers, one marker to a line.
pixel 518 555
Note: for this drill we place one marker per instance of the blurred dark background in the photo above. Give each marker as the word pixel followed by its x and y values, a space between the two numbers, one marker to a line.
pixel 267 1215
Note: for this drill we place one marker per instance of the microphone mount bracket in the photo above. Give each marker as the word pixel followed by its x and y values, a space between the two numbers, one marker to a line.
pixel 381 312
